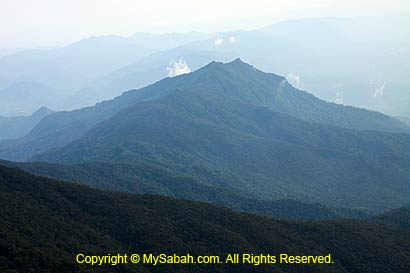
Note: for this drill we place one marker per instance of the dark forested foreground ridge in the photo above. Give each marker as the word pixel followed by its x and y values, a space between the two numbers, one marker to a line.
pixel 148 179
pixel 45 223
pixel 398 217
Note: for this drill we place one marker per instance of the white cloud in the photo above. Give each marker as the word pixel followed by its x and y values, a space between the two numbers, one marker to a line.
pixel 339 98
pixel 176 68
pixel 218 41
pixel 379 91
pixel 293 79
pixel 232 39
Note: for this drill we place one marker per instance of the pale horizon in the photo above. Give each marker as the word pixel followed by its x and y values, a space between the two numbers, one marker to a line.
pixel 50 23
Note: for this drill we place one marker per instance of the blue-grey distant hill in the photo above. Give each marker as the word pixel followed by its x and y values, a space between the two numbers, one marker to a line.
pixel 16 127
pixel 24 98
pixel 67 69
pixel 144 72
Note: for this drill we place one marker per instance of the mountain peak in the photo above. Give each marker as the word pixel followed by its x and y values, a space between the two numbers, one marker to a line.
pixel 42 111
pixel 237 65
pixel 238 61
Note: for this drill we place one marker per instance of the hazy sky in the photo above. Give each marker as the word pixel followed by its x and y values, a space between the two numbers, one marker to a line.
pixel 32 23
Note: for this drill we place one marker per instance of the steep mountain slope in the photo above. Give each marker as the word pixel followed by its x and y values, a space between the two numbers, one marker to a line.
pixel 236 80
pixel 15 127
pixel 44 224
pixel 223 124
pixel 61 128
pixel 149 179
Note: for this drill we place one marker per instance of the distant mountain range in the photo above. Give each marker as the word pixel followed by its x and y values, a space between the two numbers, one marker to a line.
pixel 67 69
pixel 232 126
pixel 326 63
pixel 329 57
pixel 44 224
pixel 144 72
